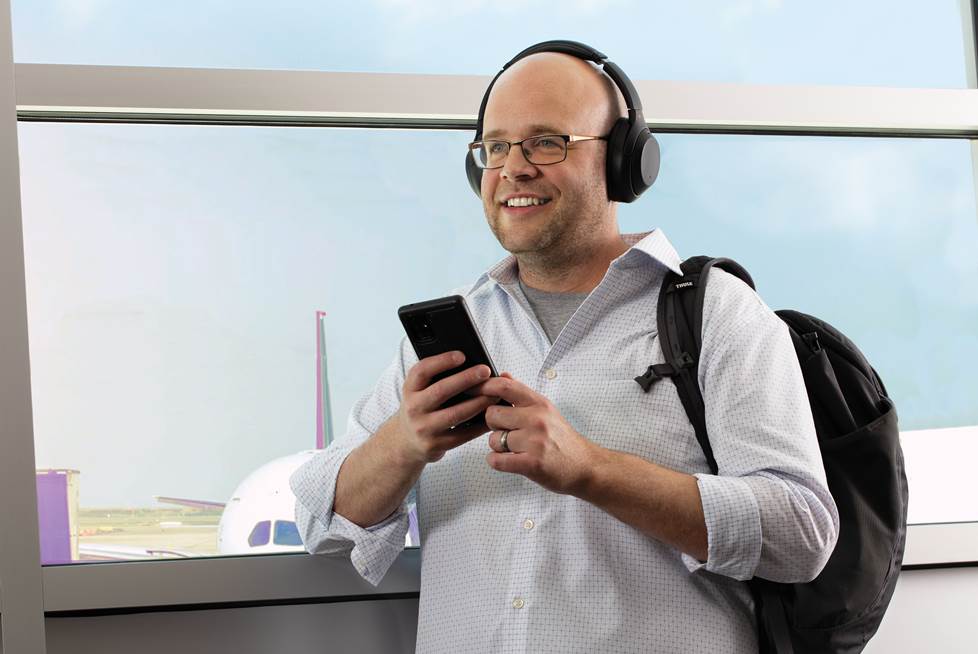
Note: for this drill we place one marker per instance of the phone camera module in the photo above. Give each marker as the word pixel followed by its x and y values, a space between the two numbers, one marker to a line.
pixel 423 330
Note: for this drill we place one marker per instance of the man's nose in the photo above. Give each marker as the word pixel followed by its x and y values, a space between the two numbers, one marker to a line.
pixel 517 165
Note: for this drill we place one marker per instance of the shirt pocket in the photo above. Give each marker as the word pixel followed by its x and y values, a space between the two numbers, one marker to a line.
pixel 618 414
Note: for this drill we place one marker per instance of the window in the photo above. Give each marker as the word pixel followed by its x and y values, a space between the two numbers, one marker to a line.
pixel 878 43
pixel 185 392
pixel 875 236
pixel 865 233
pixel 194 375
pixel 286 533
pixel 259 535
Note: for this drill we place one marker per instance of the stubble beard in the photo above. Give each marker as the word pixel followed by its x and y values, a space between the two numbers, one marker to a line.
pixel 570 231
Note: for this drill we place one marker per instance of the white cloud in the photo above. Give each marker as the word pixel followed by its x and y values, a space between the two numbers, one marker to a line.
pixel 737 12
pixel 819 185
pixel 413 12
pixel 959 244
pixel 78 13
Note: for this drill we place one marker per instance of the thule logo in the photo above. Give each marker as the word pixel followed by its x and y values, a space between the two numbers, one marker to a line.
pixel 684 285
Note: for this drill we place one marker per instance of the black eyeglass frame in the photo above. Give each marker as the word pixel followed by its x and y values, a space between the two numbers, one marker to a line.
pixel 566 138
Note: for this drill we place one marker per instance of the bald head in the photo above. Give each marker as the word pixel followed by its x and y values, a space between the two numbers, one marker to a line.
pixel 552 215
pixel 571 87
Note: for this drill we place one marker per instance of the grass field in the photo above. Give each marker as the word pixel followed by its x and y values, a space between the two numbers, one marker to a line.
pixel 186 530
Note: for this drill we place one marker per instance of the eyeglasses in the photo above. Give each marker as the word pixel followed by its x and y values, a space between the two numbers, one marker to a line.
pixel 540 150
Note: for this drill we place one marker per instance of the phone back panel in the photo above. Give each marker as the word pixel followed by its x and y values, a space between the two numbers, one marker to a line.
pixel 443 325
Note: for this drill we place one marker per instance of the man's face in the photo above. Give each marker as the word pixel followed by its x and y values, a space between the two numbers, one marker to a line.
pixel 548 95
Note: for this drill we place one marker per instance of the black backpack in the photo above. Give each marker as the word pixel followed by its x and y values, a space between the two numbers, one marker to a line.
pixel 841 609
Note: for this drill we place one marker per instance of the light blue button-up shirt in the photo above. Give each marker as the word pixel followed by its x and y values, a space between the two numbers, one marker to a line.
pixel 508 566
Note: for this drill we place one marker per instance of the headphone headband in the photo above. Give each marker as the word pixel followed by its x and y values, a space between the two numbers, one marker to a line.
pixel 587 53
pixel 582 51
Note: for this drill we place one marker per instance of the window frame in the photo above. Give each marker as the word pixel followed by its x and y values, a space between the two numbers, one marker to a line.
pixel 21 593
pixel 225 582
pixel 219 582
pixel 54 92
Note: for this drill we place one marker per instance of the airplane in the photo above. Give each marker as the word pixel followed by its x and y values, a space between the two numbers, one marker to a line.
pixel 259 516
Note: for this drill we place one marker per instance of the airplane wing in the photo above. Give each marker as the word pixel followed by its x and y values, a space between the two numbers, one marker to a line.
pixel 194 504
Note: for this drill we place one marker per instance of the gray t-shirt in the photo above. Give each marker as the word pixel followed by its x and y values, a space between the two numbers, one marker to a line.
pixel 553 310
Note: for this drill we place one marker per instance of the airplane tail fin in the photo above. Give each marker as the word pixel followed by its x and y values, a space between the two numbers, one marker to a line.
pixel 324 414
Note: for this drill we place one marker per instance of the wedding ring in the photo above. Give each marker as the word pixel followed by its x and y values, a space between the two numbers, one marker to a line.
pixel 502 441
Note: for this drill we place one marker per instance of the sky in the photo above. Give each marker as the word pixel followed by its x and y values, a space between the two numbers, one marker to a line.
pixel 872 42
pixel 174 271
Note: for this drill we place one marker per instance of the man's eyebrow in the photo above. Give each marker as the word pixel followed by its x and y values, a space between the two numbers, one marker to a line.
pixel 532 130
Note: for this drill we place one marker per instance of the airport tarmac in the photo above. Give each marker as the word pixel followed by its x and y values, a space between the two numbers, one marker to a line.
pixel 187 531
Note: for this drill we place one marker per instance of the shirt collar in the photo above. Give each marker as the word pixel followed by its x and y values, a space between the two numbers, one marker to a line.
pixel 642 246
pixel 649 245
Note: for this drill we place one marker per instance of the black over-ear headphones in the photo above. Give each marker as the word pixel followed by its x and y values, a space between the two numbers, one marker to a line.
pixel 633 153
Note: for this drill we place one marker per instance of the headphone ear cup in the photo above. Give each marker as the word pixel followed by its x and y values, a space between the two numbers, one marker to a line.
pixel 633 160
pixel 644 162
pixel 616 173
pixel 474 174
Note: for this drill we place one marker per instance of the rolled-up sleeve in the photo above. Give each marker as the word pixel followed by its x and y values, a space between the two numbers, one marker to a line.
pixel 372 549
pixel 769 512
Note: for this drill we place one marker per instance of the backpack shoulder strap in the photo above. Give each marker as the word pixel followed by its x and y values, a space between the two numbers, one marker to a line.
pixel 680 327
pixel 680 324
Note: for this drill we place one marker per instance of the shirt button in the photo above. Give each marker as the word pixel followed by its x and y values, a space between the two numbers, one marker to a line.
pixel 527 524
pixel 518 603
pixel 550 373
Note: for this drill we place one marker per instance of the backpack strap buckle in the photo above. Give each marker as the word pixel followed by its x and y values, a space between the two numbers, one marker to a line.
pixel 659 371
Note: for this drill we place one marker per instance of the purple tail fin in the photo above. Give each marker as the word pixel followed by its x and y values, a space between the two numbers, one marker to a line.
pixel 324 414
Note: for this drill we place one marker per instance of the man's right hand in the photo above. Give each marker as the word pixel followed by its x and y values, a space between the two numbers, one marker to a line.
pixel 427 430
pixel 376 476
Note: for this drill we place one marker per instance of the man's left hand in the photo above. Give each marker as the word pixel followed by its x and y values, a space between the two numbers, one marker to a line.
pixel 543 446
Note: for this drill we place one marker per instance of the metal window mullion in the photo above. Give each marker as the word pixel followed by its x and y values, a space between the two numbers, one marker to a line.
pixel 260 97
pixel 969 16
pixel 968 32
pixel 21 596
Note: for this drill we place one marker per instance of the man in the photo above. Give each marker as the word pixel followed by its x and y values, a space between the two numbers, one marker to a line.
pixel 586 520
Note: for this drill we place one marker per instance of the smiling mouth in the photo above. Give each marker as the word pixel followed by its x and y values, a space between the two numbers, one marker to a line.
pixel 525 202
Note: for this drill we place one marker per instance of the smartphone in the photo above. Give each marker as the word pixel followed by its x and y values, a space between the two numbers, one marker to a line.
pixel 443 325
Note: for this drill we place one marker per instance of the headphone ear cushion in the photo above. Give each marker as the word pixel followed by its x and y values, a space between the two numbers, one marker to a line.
pixel 644 161
pixel 474 174
pixel 616 172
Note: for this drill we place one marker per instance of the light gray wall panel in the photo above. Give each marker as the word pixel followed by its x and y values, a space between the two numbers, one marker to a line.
pixel 21 598
pixel 370 627
pixel 931 611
